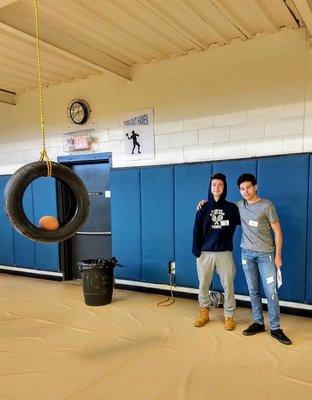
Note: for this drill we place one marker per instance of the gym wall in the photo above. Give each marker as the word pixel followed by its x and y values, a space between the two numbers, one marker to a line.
pixel 245 99
pixel 16 249
pixel 153 211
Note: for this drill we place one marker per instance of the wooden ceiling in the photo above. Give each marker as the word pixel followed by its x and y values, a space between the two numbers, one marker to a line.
pixel 80 38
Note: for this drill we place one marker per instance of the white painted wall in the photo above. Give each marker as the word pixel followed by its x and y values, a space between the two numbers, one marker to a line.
pixel 245 99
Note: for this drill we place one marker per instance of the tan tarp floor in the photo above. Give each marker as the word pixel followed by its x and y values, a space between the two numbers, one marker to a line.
pixel 54 347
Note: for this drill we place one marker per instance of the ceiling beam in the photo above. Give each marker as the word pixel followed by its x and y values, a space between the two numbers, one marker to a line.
pixel 174 25
pixel 261 14
pixel 103 63
pixel 305 10
pixel 232 18
pixel 7 97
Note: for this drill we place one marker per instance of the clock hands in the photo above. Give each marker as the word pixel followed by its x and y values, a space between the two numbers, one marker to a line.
pixel 79 111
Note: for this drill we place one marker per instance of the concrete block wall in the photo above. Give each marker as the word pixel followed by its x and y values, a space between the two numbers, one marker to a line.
pixel 248 98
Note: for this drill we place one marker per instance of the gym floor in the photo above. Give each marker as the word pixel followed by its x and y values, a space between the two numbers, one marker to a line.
pixel 54 347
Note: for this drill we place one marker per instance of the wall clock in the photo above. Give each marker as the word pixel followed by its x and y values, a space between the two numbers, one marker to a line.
pixel 78 111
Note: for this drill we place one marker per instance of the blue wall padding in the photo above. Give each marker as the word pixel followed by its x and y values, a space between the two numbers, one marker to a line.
pixel 309 240
pixel 284 180
pixel 157 211
pixel 190 185
pixel 45 203
pixel 6 231
pixel 17 250
pixel 24 248
pixel 126 222
pixel 153 211
pixel 232 170
pixel 169 196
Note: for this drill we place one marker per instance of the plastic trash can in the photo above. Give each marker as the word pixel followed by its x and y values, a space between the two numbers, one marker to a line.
pixel 97 280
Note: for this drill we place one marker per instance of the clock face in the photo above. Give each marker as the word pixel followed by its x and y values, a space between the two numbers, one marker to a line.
pixel 79 112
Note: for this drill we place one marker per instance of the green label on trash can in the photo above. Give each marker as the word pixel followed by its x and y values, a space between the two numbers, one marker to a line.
pixel 97 286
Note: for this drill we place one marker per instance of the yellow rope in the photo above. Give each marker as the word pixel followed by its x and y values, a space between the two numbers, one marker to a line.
pixel 43 152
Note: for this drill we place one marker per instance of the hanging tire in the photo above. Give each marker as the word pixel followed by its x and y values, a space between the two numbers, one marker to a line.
pixel 13 201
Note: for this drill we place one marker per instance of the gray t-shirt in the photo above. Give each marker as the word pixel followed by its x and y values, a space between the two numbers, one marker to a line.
pixel 256 219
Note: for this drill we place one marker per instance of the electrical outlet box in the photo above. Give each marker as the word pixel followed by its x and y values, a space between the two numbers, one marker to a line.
pixel 171 267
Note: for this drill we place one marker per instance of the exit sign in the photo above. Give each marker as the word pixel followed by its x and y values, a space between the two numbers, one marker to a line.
pixel 81 143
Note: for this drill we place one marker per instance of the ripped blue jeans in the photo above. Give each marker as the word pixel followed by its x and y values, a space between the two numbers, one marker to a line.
pixel 259 264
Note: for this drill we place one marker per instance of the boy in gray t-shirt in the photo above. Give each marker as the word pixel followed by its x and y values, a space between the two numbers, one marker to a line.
pixel 256 219
pixel 260 256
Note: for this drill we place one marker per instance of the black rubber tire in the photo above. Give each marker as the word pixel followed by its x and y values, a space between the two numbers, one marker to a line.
pixel 13 201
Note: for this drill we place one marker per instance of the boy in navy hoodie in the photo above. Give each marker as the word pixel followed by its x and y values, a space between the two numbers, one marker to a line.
pixel 213 232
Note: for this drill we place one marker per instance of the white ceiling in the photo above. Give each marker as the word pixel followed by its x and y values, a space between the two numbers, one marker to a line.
pixel 87 37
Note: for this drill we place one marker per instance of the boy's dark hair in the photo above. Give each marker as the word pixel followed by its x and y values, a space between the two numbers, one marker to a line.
pixel 222 178
pixel 219 176
pixel 247 178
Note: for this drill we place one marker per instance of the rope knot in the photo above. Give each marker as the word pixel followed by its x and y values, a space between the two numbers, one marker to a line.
pixel 44 157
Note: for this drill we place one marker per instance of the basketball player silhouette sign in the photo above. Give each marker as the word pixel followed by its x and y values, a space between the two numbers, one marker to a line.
pixel 135 142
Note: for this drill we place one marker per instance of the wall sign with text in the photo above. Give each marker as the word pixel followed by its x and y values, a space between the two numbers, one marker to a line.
pixel 138 127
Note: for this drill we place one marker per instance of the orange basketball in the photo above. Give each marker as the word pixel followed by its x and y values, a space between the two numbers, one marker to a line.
pixel 48 223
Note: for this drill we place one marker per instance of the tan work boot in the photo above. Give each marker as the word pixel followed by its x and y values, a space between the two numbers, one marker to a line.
pixel 203 317
pixel 229 323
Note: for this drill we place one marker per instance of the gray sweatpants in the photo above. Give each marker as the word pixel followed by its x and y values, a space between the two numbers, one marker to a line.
pixel 222 262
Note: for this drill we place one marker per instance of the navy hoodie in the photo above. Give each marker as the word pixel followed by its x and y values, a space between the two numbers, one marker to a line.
pixel 215 224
